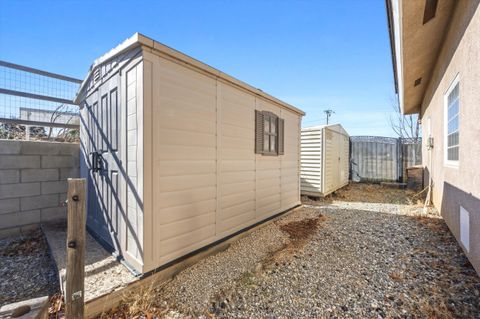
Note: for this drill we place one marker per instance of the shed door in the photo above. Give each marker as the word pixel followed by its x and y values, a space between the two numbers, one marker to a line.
pixel 344 148
pixel 106 186
pixel 336 158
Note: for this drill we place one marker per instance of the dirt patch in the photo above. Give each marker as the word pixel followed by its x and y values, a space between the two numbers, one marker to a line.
pixel 302 229
pixel 368 193
pixel 299 231
pixel 24 246
pixel 375 193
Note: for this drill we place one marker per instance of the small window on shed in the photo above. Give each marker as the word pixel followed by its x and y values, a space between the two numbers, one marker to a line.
pixel 269 133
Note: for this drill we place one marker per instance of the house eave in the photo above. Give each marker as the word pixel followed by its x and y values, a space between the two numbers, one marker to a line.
pixel 415 45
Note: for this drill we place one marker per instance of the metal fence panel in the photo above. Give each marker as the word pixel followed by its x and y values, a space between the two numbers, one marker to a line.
pixel 382 159
pixel 37 104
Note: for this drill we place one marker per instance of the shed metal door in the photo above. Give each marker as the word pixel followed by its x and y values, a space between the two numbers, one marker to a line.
pixel 106 185
pixel 339 159
pixel 336 159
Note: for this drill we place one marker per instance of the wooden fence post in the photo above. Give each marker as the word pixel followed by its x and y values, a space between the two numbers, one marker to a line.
pixel 75 276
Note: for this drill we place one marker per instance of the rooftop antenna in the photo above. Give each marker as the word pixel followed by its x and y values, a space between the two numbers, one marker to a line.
pixel 328 113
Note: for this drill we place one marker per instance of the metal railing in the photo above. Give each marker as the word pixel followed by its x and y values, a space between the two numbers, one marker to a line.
pixel 36 104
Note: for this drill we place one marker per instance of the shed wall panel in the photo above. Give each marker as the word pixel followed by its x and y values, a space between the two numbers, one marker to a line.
pixel 207 180
pixel 311 161
pixel 194 135
pixel 184 135
pixel 236 159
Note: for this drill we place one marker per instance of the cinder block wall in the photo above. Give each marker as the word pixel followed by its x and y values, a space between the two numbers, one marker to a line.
pixel 33 183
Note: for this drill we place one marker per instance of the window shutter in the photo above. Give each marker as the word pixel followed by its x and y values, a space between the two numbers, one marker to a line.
pixel 259 132
pixel 281 137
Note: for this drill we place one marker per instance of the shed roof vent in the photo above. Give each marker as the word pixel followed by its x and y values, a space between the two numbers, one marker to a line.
pixel 96 75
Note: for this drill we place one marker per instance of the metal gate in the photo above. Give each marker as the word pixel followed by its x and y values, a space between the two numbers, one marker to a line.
pixel 382 159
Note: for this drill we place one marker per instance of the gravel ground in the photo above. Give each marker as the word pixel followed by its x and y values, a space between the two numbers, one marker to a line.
pixel 362 253
pixel 364 264
pixel 26 268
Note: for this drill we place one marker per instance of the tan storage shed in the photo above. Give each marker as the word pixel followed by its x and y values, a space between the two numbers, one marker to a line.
pixel 179 155
pixel 324 159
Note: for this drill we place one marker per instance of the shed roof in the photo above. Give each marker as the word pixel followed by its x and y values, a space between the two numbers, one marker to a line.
pixel 335 127
pixel 140 40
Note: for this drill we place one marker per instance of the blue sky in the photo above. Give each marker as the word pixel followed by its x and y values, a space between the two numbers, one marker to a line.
pixel 313 54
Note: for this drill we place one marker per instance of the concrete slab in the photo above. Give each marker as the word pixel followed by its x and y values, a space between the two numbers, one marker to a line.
pixel 103 273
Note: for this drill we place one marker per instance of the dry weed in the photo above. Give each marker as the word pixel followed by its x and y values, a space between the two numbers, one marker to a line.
pixel 24 246
pixel 138 303
pixel 56 309
pixel 434 309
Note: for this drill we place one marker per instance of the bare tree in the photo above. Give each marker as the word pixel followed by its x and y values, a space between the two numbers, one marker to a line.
pixel 61 111
pixel 405 126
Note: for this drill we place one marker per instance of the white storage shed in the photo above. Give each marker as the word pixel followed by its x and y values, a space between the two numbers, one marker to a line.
pixel 324 159
pixel 179 155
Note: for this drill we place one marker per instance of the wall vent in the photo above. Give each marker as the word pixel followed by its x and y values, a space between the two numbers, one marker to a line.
pixel 430 10
pixel 96 75
pixel 465 228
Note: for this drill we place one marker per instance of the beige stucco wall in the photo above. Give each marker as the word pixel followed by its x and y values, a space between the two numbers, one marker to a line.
pixel 457 186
